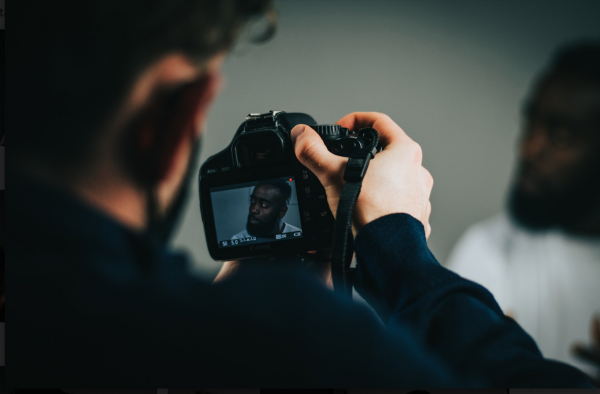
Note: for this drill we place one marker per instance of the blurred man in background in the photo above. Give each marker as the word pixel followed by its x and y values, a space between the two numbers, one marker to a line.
pixel 541 258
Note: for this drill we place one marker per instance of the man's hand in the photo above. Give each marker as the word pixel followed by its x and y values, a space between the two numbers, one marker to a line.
pixel 395 181
pixel 591 353
pixel 228 269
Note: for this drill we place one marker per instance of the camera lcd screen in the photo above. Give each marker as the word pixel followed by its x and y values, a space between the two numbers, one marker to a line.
pixel 256 212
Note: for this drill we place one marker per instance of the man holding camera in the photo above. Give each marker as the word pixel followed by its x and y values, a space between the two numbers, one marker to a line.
pixel 99 175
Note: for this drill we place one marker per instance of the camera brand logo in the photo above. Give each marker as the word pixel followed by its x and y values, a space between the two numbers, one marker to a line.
pixel 260 247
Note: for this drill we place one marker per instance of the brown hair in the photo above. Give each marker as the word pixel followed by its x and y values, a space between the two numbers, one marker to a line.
pixel 72 62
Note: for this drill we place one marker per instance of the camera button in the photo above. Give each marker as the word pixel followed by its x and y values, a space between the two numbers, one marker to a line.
pixel 306 216
pixel 326 230
pixel 324 217
pixel 306 174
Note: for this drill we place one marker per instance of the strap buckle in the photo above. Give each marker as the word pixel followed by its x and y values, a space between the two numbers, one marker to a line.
pixel 357 167
pixel 358 162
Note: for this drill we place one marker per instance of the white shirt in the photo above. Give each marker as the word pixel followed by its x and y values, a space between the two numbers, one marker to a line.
pixel 549 282
pixel 287 228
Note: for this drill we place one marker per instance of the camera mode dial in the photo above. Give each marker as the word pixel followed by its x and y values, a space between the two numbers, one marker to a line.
pixel 331 131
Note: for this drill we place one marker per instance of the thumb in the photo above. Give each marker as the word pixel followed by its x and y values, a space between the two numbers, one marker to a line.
pixel 312 153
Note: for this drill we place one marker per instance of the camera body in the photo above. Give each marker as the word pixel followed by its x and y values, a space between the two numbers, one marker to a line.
pixel 257 199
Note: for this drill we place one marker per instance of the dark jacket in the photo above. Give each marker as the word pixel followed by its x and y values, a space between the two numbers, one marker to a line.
pixel 93 304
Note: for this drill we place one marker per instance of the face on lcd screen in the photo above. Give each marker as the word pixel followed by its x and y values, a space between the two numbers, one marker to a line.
pixel 256 212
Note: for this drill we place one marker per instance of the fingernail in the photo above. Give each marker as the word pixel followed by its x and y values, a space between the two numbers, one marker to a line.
pixel 296 131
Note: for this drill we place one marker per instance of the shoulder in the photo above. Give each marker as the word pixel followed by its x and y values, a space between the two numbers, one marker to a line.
pixel 485 236
pixel 482 247
pixel 241 234
pixel 288 228
pixel 495 227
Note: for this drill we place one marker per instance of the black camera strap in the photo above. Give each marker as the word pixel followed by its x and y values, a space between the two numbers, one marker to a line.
pixel 342 247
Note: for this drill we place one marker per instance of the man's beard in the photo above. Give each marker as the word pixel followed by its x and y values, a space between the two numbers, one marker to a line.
pixel 566 209
pixel 262 229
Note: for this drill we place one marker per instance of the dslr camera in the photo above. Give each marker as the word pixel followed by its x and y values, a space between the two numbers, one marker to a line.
pixel 257 199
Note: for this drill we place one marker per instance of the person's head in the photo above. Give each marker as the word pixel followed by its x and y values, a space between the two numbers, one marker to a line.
pixel 558 182
pixel 268 205
pixel 108 97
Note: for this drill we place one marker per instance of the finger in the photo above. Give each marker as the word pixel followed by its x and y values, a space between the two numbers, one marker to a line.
pixel 312 153
pixel 321 255
pixel 227 269
pixel 389 132
pixel 426 220
pixel 427 181
pixel 584 353
pixel 325 254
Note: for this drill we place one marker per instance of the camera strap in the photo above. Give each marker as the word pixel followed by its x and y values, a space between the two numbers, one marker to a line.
pixel 342 247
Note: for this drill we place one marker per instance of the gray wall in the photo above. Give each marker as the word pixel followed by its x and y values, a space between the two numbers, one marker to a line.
pixel 453 74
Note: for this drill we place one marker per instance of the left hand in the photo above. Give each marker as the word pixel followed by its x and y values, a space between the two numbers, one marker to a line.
pixel 591 353
pixel 227 269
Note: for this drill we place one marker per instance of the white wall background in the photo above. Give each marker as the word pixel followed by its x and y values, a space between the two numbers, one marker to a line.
pixel 453 74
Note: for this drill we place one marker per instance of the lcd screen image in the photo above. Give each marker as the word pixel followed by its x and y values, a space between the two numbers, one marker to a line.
pixel 256 212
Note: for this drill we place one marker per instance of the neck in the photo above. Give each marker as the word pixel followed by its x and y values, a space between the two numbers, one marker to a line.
pixel 276 229
pixel 124 204
pixel 113 196
pixel 590 226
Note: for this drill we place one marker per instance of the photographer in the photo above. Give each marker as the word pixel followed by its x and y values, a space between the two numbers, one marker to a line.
pixel 104 121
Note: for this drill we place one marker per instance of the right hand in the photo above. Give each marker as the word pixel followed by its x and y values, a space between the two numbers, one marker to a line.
pixel 395 182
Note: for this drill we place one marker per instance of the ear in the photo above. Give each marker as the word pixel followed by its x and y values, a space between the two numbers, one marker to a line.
pixel 283 211
pixel 172 124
